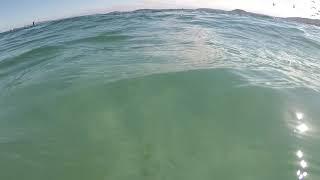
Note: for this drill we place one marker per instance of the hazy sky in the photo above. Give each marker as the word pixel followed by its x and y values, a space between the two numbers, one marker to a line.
pixel 14 13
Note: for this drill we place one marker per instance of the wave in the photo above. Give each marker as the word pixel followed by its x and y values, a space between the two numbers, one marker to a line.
pixel 238 12
pixel 28 59
pixel 102 38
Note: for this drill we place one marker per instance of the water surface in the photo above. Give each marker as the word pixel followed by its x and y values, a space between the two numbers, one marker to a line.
pixel 174 94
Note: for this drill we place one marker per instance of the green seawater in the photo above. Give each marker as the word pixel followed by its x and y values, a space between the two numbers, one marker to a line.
pixel 160 95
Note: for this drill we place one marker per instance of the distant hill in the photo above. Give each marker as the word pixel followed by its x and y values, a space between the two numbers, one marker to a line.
pixel 241 12
pixel 235 11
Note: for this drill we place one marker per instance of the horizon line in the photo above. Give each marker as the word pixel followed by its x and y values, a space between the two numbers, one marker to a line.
pixel 137 9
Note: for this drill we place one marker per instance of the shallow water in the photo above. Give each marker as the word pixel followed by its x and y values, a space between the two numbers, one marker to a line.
pixel 160 95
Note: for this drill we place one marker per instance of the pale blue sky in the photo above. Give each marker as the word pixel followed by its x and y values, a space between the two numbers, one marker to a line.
pixel 15 13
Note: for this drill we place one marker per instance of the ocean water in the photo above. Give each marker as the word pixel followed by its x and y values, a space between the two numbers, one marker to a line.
pixel 170 94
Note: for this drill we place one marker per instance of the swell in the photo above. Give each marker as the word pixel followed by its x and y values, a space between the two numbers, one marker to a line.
pixel 163 31
pixel 20 43
pixel 28 59
pixel 107 37
pixel 306 42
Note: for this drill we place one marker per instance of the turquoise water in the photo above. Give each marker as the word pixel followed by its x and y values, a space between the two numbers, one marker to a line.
pixel 169 94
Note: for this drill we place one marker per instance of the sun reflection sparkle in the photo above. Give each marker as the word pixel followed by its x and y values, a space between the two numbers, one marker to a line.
pixel 301 128
pixel 299 154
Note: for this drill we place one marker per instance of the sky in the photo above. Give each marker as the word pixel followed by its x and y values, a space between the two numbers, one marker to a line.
pixel 16 13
